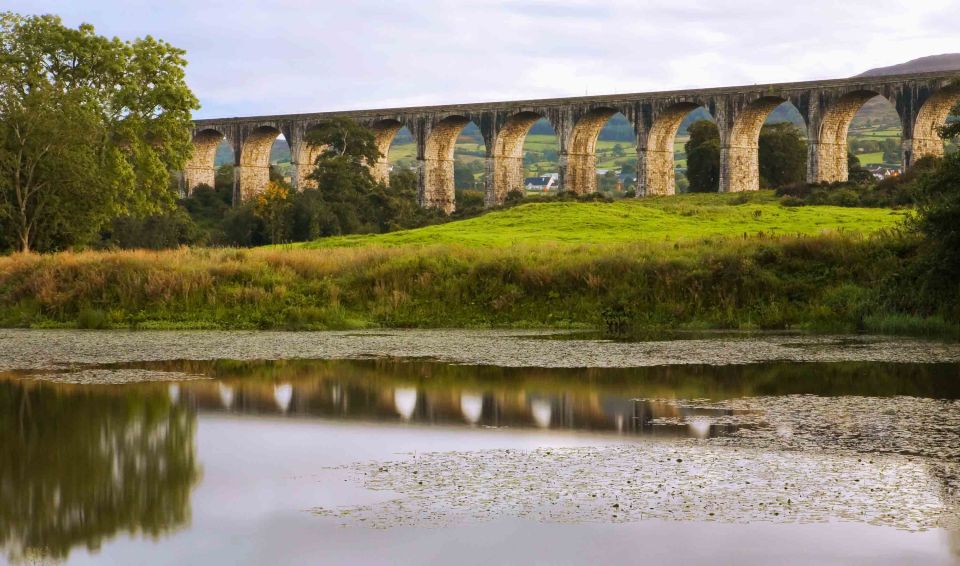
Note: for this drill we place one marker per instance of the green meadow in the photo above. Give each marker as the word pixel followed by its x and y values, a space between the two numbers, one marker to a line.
pixel 664 219
pixel 689 261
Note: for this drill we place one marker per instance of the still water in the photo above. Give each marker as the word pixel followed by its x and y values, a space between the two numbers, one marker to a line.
pixel 413 448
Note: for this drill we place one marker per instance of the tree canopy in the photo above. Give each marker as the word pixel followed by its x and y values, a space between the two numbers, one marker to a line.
pixel 90 129
pixel 703 157
pixel 782 155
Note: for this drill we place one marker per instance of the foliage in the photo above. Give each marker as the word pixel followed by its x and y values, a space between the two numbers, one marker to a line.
pixel 951 130
pixel 782 155
pixel 855 172
pixel 934 276
pixel 273 206
pixel 775 282
pixel 90 464
pixel 90 129
pixel 170 229
pixel 703 157
pixel 463 176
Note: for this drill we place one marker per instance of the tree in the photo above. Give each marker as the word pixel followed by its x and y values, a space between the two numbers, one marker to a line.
pixel 937 221
pixel 782 155
pixel 703 157
pixel 90 129
pixel 855 172
pixel 90 465
pixel 891 151
pixel 171 229
pixel 951 130
pixel 462 176
pixel 607 182
pixel 273 206
pixel 345 185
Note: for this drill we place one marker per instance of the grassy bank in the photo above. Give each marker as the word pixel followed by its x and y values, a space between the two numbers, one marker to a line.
pixel 699 261
pixel 666 219
pixel 823 283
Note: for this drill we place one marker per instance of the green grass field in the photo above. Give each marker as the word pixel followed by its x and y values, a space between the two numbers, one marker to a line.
pixel 676 218
pixel 689 261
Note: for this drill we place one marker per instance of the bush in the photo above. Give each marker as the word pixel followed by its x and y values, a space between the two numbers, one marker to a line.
pixel 93 319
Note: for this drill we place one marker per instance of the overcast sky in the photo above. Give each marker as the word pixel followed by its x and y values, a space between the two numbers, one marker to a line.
pixel 286 56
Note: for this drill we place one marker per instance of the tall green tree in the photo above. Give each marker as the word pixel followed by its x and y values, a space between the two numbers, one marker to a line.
pixel 703 157
pixel 782 155
pixel 344 182
pixel 90 129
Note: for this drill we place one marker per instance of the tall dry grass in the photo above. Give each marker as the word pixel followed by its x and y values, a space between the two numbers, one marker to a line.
pixel 756 282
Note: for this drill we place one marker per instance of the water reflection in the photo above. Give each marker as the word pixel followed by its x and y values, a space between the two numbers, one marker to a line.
pixel 626 401
pixel 79 466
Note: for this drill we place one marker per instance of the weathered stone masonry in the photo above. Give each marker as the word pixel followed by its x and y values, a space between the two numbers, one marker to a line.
pixel 923 102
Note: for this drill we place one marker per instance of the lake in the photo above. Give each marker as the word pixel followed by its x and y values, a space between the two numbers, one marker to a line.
pixel 477 447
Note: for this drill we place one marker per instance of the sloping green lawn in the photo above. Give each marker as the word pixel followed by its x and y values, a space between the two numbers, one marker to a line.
pixel 675 218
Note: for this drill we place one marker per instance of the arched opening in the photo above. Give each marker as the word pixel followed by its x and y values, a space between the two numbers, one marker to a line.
pixel 589 157
pixel 402 153
pixel 617 157
pixel 282 167
pixel 782 147
pixel 384 132
pixel 541 159
pixel 201 169
pixel 739 158
pixel 255 161
pixel 453 153
pixel 932 116
pixel 861 123
pixel 666 157
pixel 470 168
pixel 225 172
pixel 510 155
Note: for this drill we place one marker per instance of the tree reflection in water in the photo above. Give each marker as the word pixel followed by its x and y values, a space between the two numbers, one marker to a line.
pixel 80 465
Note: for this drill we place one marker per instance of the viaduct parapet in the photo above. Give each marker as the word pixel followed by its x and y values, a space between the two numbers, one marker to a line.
pixel 923 102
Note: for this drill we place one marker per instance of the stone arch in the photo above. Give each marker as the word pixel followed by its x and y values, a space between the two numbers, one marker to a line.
pixel 508 170
pixel 200 170
pixel 438 178
pixel 828 159
pixel 658 178
pixel 305 159
pixel 932 115
pixel 255 161
pixel 581 168
pixel 739 154
pixel 384 131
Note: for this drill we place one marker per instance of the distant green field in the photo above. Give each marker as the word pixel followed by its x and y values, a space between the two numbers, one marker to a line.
pixel 870 158
pixel 674 218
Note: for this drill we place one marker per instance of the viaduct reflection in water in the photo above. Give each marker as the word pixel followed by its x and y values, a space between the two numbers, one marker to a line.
pixel 621 400
pixel 81 465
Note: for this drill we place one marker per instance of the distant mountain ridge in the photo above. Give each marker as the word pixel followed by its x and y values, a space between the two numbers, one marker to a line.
pixel 928 64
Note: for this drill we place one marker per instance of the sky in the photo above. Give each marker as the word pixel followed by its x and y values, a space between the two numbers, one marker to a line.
pixel 290 56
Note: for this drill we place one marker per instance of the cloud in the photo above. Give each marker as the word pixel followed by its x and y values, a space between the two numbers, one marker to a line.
pixel 271 57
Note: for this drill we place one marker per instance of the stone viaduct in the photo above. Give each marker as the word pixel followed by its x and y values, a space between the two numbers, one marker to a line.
pixel 923 102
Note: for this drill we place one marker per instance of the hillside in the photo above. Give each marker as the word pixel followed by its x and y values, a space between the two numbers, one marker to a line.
pixel 928 64
pixel 676 218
